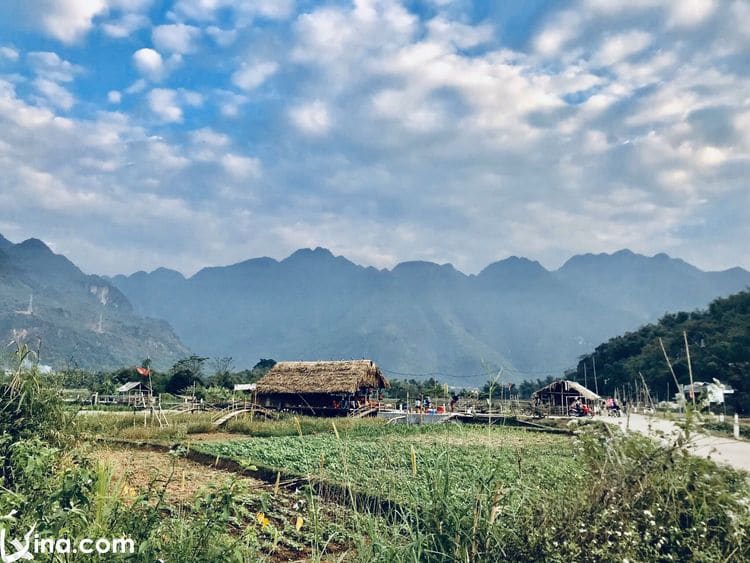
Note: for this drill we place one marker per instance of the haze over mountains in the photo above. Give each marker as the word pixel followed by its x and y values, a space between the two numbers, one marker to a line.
pixel 417 319
pixel 420 318
pixel 79 319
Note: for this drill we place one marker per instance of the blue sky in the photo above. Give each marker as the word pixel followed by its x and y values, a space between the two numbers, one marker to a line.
pixel 186 133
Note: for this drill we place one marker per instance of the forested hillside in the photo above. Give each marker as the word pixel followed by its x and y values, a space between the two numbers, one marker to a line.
pixel 74 319
pixel 719 342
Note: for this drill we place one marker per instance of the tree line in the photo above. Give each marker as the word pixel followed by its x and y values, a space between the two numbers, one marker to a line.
pixel 192 375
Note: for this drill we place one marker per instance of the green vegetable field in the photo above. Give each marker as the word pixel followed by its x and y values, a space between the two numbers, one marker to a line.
pixel 400 463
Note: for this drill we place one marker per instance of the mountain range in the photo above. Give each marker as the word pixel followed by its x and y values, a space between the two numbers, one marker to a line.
pixel 420 318
pixel 73 319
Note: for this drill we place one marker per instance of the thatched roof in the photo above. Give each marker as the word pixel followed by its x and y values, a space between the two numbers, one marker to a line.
pixel 322 377
pixel 567 388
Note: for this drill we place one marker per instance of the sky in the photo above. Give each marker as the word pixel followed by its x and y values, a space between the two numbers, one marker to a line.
pixel 187 133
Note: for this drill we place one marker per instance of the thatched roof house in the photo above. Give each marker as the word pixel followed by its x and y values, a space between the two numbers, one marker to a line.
pixel 331 386
pixel 322 377
pixel 563 392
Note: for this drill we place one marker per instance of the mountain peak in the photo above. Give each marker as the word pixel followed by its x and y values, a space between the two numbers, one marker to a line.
pixel 304 253
pixel 423 271
pixel 167 274
pixel 4 243
pixel 594 260
pixel 514 265
pixel 34 244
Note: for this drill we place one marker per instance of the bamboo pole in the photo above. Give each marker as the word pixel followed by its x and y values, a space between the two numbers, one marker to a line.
pixel 671 369
pixel 596 383
pixel 690 366
pixel 585 377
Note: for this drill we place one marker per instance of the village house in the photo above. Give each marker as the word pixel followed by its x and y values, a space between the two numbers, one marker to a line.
pixel 331 388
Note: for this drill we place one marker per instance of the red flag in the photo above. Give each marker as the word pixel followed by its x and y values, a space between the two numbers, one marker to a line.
pixel 145 372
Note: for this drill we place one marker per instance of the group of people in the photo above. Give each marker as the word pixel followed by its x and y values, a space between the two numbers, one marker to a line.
pixel 425 405
pixel 422 405
pixel 580 408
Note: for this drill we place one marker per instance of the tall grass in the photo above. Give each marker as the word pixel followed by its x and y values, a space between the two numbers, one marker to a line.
pixel 638 502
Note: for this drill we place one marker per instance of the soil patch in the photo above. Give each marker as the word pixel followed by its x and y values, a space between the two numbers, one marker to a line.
pixel 135 470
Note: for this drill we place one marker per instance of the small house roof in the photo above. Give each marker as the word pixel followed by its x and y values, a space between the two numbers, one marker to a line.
pixel 566 387
pixel 129 386
pixel 322 377
pixel 245 386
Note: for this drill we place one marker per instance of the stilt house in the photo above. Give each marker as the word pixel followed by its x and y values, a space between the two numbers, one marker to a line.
pixel 333 388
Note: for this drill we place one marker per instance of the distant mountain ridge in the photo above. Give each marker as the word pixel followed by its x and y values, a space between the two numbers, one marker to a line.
pixel 419 317
pixel 73 318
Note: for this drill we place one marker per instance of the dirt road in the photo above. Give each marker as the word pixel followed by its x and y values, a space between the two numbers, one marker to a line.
pixel 721 450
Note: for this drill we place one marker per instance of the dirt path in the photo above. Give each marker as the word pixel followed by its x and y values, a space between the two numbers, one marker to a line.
pixel 726 451
pixel 135 469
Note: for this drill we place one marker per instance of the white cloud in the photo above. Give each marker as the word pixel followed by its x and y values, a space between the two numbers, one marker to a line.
pixel 311 118
pixel 411 108
pixel 50 66
pixel 614 7
pixel 250 76
pixel 114 97
pixel 369 28
pixel 461 35
pixel 229 103
pixel 194 99
pixel 137 87
pixel 54 94
pixel 149 62
pixel 163 102
pixel 66 20
pixel 8 53
pixel 619 123
pixel 689 13
pixel 556 35
pixel 210 138
pixel 222 37
pixel 615 48
pixel 130 5
pixel 176 38
pixel 167 103
pixel 244 10
pixel 711 156
pixel 241 167
pixel 125 25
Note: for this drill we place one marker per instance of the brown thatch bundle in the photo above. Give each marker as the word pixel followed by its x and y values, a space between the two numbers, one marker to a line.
pixel 322 377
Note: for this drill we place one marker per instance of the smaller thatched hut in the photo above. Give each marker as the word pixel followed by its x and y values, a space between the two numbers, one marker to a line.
pixel 332 388
pixel 132 393
pixel 563 393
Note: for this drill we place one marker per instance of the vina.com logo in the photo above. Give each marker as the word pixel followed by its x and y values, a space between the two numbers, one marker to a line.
pixel 33 544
